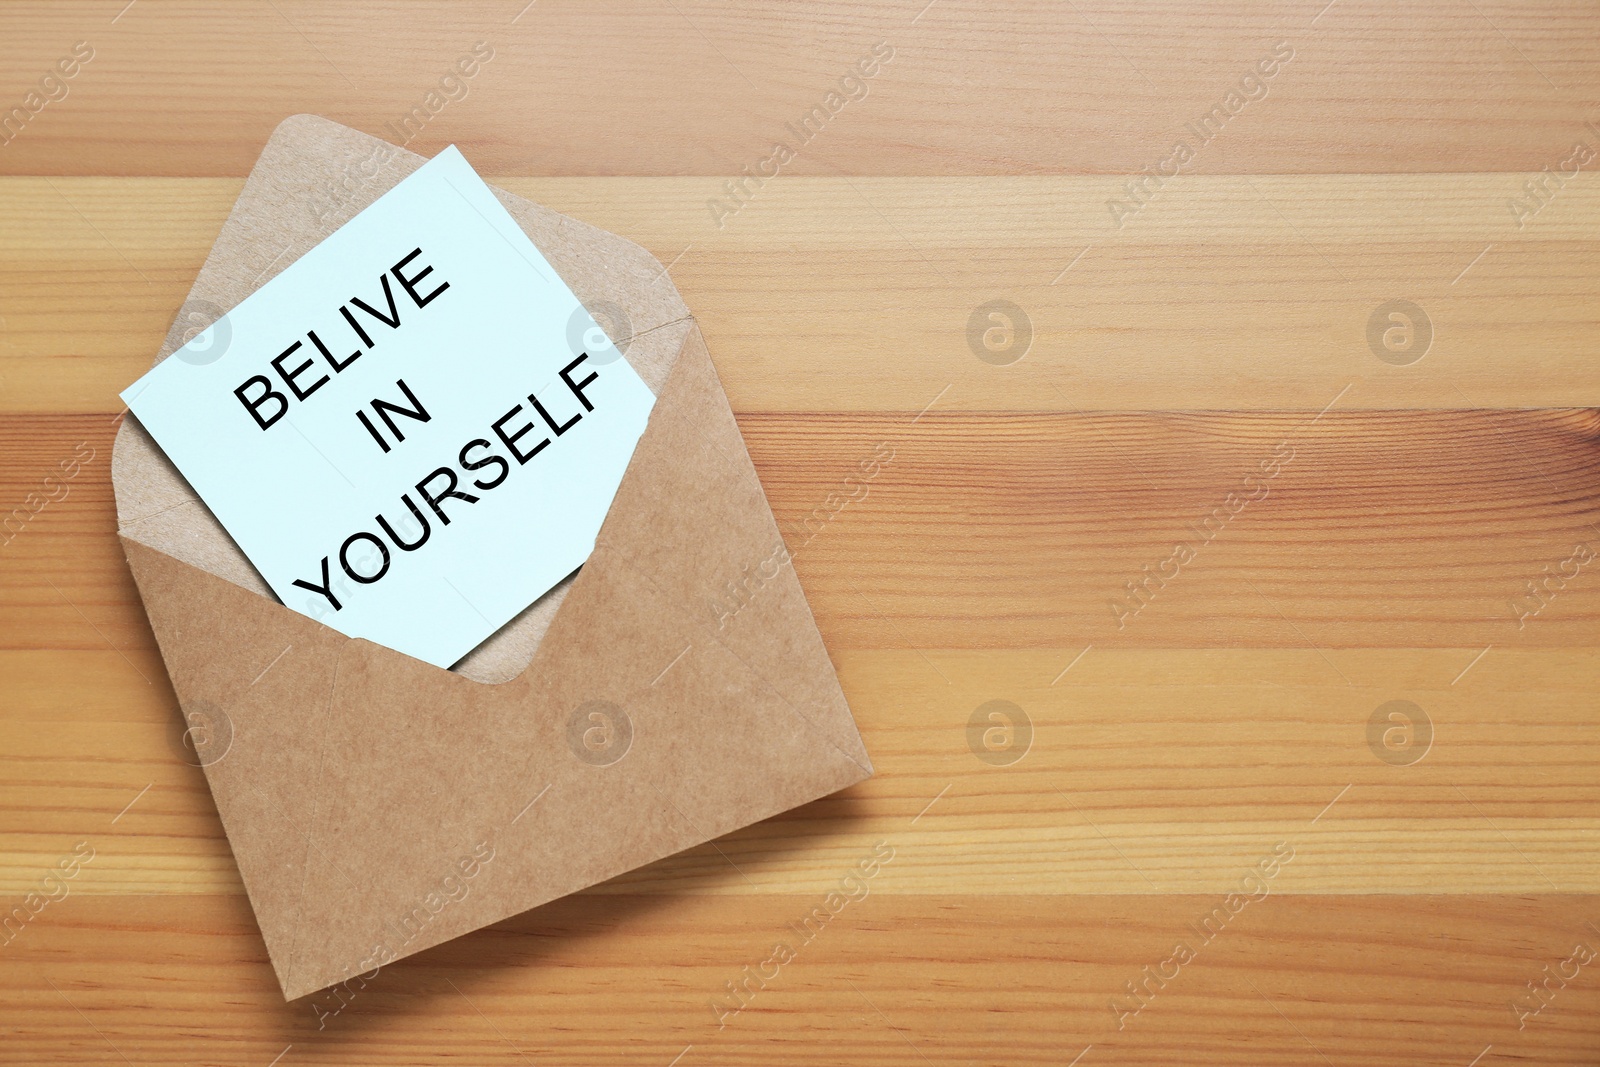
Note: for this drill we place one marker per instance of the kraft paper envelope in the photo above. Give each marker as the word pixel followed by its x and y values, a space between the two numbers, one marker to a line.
pixel 377 805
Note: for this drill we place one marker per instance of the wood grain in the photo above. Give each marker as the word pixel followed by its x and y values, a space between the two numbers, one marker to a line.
pixel 1231 710
pixel 1381 529
pixel 1100 87
pixel 1222 710
pixel 1227 293
pixel 1386 980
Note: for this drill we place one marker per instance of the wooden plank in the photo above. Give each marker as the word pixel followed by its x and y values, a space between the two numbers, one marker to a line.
pixel 1348 530
pixel 978 566
pixel 826 294
pixel 1384 529
pixel 1181 337
pixel 1101 87
pixel 889 979
pixel 1122 787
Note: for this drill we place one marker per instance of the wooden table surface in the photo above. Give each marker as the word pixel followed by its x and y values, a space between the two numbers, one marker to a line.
pixel 1266 503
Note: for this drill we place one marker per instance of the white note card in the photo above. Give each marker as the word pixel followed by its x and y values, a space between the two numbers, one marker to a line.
pixel 398 430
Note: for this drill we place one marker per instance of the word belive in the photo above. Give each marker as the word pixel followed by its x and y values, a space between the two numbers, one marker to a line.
pixel 266 392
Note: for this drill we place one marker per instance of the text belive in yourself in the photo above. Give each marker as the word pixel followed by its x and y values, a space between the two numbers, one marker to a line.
pixel 520 438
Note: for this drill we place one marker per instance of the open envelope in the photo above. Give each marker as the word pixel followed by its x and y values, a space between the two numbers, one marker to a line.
pixel 377 805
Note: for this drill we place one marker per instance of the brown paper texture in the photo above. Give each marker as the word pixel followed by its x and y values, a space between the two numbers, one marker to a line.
pixel 378 805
